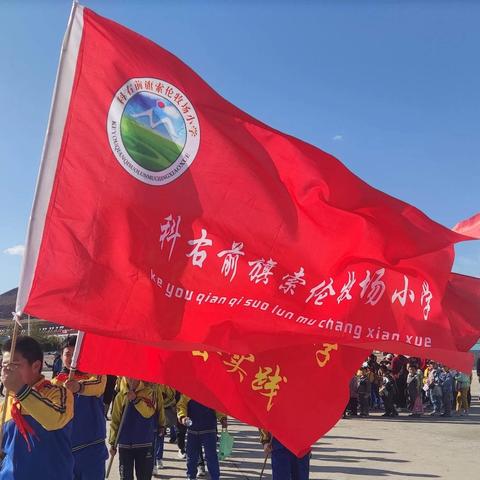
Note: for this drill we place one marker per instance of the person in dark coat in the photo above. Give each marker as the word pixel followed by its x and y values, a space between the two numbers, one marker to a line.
pixel 387 392
pixel 478 371
pixel 399 373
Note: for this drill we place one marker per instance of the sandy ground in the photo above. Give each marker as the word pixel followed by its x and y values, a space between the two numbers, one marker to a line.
pixel 398 449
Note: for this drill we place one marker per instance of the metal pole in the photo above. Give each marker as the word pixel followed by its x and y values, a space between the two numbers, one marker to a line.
pixel 264 465
pixel 117 437
pixel 267 453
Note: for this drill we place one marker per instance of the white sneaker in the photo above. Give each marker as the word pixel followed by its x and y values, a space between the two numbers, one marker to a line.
pixel 181 455
pixel 201 471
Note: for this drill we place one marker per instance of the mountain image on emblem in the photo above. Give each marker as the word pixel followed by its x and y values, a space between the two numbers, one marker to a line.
pixel 153 131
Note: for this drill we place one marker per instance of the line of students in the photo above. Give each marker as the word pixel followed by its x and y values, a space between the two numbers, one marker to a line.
pixel 56 429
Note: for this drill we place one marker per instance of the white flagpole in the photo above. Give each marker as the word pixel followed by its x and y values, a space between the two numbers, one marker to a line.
pixel 51 149
pixel 76 354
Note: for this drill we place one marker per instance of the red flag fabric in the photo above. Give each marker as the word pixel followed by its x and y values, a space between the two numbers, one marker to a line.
pixel 462 305
pixel 297 394
pixel 469 227
pixel 461 310
pixel 166 215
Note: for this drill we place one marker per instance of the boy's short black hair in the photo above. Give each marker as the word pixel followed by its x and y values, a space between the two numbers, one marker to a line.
pixel 69 342
pixel 28 347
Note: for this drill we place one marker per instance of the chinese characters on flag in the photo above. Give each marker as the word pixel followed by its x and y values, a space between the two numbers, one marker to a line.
pixel 165 215
pixel 266 390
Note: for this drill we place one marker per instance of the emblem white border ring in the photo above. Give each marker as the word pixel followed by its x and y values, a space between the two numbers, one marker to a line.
pixel 149 177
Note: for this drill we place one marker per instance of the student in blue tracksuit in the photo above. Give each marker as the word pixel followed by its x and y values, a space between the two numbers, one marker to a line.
pixel 89 423
pixel 135 439
pixel 285 464
pixel 36 435
pixel 202 432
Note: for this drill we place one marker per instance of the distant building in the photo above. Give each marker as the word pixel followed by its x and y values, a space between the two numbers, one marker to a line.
pixel 8 301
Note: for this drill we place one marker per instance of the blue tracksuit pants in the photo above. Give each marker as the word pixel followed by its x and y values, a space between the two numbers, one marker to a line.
pixel 90 463
pixel 286 465
pixel 195 441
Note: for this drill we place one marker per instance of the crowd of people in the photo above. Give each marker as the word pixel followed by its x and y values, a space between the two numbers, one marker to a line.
pixel 397 383
pixel 59 426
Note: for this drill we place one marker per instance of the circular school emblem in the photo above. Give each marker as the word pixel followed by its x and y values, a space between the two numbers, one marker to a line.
pixel 153 130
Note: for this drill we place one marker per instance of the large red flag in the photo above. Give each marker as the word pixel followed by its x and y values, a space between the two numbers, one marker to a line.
pixel 297 394
pixel 165 214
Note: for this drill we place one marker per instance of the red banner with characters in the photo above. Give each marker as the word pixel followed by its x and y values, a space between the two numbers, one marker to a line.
pixel 297 394
pixel 166 215
pixel 460 307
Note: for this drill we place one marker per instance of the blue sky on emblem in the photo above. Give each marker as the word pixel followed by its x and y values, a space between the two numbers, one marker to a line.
pixel 158 114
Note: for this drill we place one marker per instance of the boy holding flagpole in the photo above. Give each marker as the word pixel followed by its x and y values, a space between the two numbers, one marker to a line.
pixel 89 423
pixel 36 434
